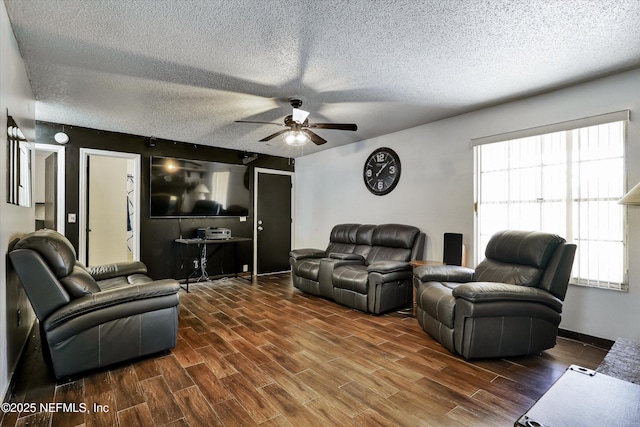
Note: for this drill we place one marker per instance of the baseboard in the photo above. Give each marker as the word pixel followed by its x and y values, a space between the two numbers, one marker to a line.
pixel 11 374
pixel 587 339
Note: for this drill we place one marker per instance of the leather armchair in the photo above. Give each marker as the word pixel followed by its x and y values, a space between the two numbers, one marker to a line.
pixel 93 317
pixel 510 305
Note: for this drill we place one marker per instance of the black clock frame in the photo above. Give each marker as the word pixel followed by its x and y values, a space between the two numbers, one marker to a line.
pixel 389 182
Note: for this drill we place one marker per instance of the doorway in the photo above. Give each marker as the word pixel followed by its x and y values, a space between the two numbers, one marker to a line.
pixel 109 219
pixel 49 186
pixel 273 220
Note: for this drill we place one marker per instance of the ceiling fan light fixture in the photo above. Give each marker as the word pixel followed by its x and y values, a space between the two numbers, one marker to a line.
pixel 297 129
pixel 299 115
pixel 296 138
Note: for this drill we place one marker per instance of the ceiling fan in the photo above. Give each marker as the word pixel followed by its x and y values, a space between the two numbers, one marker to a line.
pixel 298 126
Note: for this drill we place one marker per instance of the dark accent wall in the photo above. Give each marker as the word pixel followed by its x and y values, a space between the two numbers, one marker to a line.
pixel 20 315
pixel 158 250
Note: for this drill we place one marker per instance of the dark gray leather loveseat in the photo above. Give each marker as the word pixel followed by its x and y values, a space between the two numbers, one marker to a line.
pixel 365 267
pixel 93 317
pixel 510 305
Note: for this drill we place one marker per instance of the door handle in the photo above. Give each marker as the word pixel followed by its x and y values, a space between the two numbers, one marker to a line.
pixel 260 228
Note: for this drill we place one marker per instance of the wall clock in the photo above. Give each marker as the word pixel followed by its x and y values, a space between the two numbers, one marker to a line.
pixel 382 171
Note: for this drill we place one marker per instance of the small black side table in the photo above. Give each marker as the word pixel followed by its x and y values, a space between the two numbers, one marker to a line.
pixel 200 269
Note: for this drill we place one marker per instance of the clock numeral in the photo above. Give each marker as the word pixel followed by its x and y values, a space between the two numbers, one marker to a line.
pixel 380 185
pixel 392 170
pixel 380 157
pixel 369 173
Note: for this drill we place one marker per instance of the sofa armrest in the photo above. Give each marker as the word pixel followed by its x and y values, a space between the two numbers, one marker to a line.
pixel 109 271
pixel 347 257
pixel 145 297
pixel 479 292
pixel 384 267
pixel 298 254
pixel 443 273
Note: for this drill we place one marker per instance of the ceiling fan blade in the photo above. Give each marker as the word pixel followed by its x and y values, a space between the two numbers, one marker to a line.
pixel 339 126
pixel 316 139
pixel 260 123
pixel 270 137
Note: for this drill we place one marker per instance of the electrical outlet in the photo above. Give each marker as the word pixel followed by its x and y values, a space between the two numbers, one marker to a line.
pixel 245 268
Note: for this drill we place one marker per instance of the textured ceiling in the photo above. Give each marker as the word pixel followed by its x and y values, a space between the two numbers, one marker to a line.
pixel 185 70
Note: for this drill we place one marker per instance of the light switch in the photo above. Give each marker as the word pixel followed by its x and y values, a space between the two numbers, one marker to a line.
pixel 71 218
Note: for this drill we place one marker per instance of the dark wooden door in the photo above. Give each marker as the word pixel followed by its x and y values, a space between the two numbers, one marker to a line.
pixel 273 222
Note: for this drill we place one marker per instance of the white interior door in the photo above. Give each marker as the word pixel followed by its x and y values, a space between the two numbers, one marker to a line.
pixel 107 210
pixel 109 207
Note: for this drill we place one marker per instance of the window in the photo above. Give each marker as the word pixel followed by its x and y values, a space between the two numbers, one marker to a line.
pixel 18 165
pixel 566 182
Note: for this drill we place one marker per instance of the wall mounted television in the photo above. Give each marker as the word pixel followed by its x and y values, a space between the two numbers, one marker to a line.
pixel 196 188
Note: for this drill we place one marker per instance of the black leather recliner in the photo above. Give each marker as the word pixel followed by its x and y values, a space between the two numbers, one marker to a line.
pixel 510 305
pixel 365 267
pixel 380 281
pixel 93 317
pixel 343 239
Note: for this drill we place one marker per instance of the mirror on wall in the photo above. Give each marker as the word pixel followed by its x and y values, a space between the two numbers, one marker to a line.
pixel 18 165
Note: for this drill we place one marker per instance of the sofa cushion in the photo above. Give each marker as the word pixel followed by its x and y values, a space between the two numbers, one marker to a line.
pixel 344 233
pixel 392 242
pixel 308 268
pixel 384 253
pixel 343 238
pixel 112 283
pixel 116 269
pixel 138 279
pixel 517 257
pixel 79 283
pixel 364 239
pixel 490 270
pixel 340 248
pixel 395 236
pixel 352 277
pixel 55 248
pixel 532 248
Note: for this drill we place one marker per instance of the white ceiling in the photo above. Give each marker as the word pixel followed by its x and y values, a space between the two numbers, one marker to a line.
pixel 185 70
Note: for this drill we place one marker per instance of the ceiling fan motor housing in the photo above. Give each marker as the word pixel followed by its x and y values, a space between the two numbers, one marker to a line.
pixel 296 103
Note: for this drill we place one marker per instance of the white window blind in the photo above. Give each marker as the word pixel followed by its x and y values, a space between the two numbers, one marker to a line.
pixel 566 182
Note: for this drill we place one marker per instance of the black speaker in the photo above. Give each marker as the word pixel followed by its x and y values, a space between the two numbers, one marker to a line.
pixel 452 249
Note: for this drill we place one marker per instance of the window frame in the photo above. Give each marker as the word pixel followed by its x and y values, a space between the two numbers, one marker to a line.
pixel 570 200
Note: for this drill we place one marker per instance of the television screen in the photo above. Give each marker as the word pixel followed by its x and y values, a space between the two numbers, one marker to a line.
pixel 181 188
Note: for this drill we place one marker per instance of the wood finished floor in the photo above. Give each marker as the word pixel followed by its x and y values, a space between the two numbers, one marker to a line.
pixel 266 354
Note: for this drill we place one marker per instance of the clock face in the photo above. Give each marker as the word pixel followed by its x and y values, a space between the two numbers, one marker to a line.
pixel 382 171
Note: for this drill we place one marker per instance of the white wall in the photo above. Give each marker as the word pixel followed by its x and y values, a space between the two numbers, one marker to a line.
pixel 436 189
pixel 17 97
